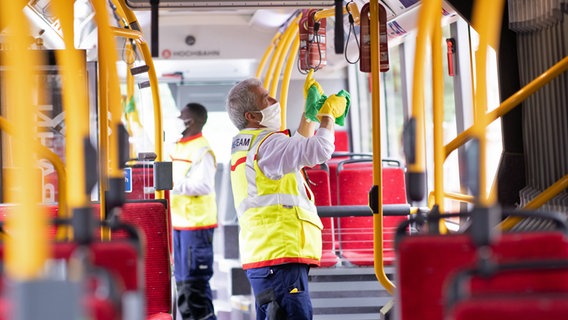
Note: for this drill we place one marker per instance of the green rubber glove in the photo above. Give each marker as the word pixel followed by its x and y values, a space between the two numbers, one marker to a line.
pixel 336 106
pixel 313 93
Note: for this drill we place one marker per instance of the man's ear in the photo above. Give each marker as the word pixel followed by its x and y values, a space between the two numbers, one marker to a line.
pixel 250 116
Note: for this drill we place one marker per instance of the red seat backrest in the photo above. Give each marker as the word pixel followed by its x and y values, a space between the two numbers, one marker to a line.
pixel 355 180
pixel 425 264
pixel 512 307
pixel 151 218
pixel 319 178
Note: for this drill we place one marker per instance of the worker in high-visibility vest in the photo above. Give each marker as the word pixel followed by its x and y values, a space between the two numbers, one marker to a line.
pixel 194 215
pixel 280 230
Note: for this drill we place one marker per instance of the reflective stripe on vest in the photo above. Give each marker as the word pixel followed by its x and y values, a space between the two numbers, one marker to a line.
pixel 254 200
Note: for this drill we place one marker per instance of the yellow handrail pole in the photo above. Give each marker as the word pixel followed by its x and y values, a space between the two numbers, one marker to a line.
pixel 377 158
pixel 511 102
pixel 538 201
pixel 272 77
pixel 451 195
pixel 153 78
pixel 325 13
pixel 129 59
pixel 108 60
pixel 108 79
pixel 286 79
pixel 270 72
pixel 28 247
pixel 425 22
pixel 487 15
pixel 75 106
pixel 290 34
pixel 137 36
pixel 118 4
pixel 438 110
pixel 103 141
pixel 58 165
pixel 269 50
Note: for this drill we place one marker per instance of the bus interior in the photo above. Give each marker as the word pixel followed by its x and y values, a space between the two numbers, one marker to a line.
pixel 446 196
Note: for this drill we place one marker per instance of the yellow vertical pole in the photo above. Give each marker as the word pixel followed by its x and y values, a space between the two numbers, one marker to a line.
pixel 76 107
pixel 269 50
pixel 130 58
pixel 103 140
pixel 107 59
pixel 153 78
pixel 438 108
pixel 377 157
pixel 27 247
pixel 286 78
pixel 271 77
pixel 109 107
pixel 487 15
pixel 277 51
pixel 282 52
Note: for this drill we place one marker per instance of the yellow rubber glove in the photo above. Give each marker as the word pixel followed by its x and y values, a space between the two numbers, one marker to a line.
pixel 336 106
pixel 313 93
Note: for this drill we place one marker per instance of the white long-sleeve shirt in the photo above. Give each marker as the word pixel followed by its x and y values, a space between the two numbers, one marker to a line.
pixel 200 180
pixel 280 154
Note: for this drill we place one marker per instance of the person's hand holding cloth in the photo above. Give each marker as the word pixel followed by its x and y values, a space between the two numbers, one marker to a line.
pixel 319 105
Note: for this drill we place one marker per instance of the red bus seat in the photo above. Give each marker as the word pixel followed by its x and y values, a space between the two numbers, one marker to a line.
pixel 512 307
pixel 118 258
pixel 151 218
pixel 319 184
pixel 425 263
pixel 356 233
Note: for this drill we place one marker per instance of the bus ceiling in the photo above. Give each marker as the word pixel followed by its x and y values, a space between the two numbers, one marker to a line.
pixel 192 4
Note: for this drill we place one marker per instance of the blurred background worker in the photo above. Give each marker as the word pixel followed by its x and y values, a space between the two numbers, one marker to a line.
pixel 280 230
pixel 194 215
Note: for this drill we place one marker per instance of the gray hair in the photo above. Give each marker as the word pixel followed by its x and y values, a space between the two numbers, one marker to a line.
pixel 242 98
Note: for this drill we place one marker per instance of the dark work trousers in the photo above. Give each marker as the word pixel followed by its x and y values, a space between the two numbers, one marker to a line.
pixel 281 292
pixel 193 267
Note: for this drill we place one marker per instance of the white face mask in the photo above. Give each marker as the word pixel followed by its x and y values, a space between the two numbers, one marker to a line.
pixel 271 117
pixel 179 126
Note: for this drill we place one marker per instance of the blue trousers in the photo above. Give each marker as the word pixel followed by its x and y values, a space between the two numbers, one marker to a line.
pixel 193 268
pixel 281 292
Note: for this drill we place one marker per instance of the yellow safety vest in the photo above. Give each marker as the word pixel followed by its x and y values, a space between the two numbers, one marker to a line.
pixel 191 212
pixel 278 218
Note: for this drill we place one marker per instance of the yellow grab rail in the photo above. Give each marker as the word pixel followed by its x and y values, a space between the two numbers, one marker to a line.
pixel 281 53
pixel 511 102
pixel 538 201
pixel 27 248
pixel 487 15
pixel 378 246
pixel 107 59
pixel 438 111
pixel 153 78
pixel 286 80
pixel 76 108
pixel 451 195
pixel 425 22
pixel 269 50
pixel 325 13
pixel 59 167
